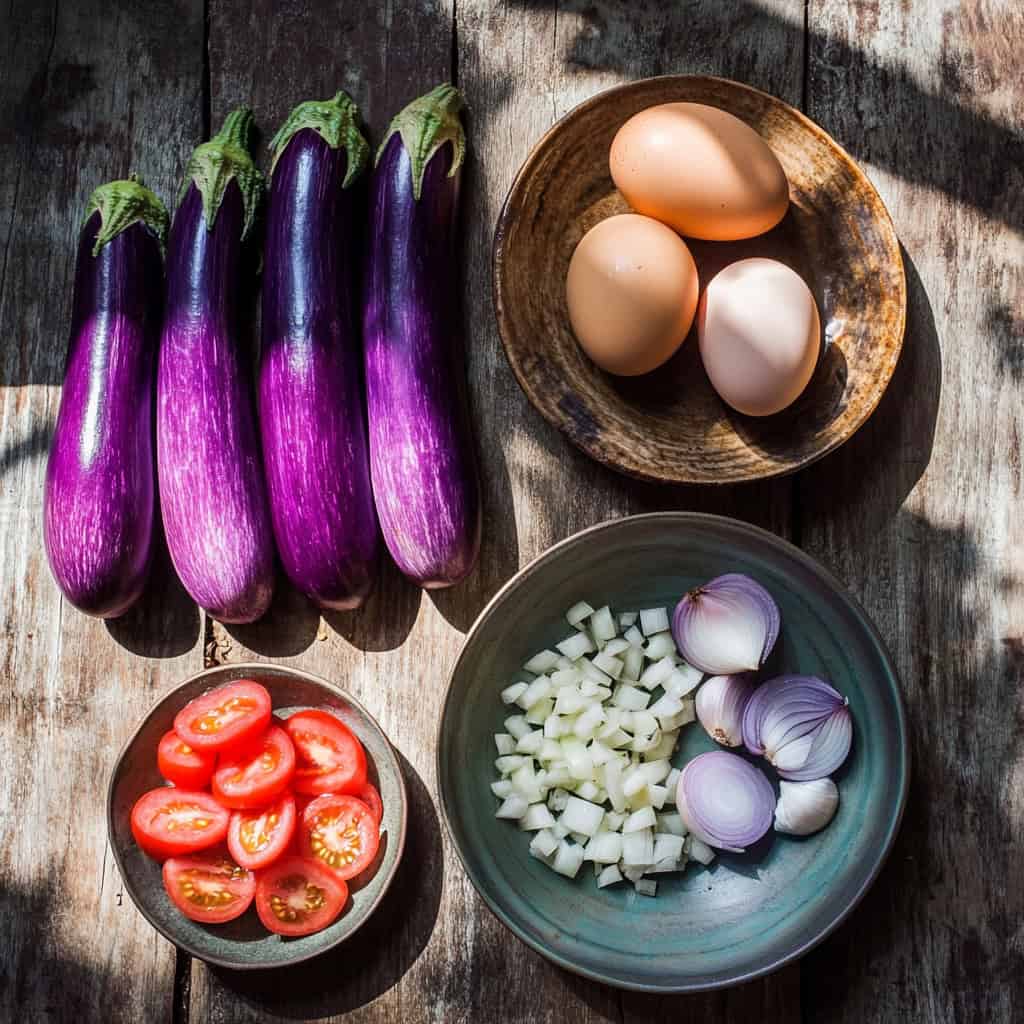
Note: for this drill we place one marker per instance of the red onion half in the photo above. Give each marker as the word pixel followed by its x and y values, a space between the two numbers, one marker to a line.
pixel 801 724
pixel 726 626
pixel 725 801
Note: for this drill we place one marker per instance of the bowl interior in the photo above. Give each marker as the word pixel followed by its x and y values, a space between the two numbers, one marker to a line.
pixel 670 424
pixel 244 942
pixel 749 912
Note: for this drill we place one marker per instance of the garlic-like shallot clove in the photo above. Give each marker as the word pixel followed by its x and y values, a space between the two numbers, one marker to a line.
pixel 805 807
pixel 720 703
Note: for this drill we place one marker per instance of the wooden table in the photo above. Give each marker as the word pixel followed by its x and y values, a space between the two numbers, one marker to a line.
pixel 921 513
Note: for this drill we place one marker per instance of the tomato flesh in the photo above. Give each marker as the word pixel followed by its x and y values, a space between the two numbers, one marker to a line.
pixel 298 897
pixel 253 775
pixel 209 887
pixel 257 838
pixel 222 718
pixel 183 765
pixel 170 822
pixel 369 795
pixel 329 757
pixel 340 832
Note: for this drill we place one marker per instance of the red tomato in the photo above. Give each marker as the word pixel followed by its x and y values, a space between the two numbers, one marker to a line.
pixel 329 757
pixel 257 838
pixel 209 887
pixel 181 765
pixel 170 822
pixel 298 897
pixel 223 717
pixel 369 795
pixel 341 832
pixel 251 776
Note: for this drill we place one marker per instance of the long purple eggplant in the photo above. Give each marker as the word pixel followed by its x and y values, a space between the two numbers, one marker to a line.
pixel 210 471
pixel 99 493
pixel 422 461
pixel 310 380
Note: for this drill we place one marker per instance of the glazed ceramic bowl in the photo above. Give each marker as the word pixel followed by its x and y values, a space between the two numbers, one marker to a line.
pixel 244 943
pixel 669 424
pixel 748 913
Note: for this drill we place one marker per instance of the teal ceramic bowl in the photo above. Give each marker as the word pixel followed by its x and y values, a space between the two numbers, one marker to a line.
pixel 749 913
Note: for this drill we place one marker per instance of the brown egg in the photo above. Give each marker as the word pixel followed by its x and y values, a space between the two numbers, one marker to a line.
pixel 701 170
pixel 632 293
pixel 759 334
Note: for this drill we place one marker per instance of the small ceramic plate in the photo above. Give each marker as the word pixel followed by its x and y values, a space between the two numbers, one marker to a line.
pixel 748 913
pixel 670 425
pixel 244 942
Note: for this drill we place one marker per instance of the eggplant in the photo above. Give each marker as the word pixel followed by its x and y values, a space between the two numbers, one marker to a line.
pixel 422 461
pixel 98 499
pixel 209 467
pixel 310 393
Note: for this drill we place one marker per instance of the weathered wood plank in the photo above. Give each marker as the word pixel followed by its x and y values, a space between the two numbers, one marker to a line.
pixel 88 92
pixel 920 512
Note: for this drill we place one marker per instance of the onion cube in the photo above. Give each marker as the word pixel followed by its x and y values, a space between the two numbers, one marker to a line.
pixel 557 800
pixel 560 830
pixel 570 702
pixel 545 842
pixel 665 747
pixel 671 823
pixel 699 851
pixel 627 619
pixel 576 646
pixel 550 750
pixel 578 612
pixel 568 859
pixel 667 846
pixel 634 874
pixel 688 714
pixel 587 791
pixel 608 664
pixel 538 714
pixel 616 738
pixel 602 625
pixel 530 743
pixel 582 816
pixel 517 726
pixel 683 680
pixel 630 697
pixel 543 661
pixel 667 864
pixel 644 723
pixel 565 677
pixel 635 638
pixel 589 721
pixel 656 674
pixel 632 664
pixel 609 876
pixel 666 705
pixel 599 753
pixel 554 726
pixel 634 781
pixel 657 795
pixel 638 848
pixel 638 820
pixel 646 887
pixel 654 620
pixel 537 816
pixel 511 693
pixel 589 671
pixel 581 767
pixel 655 771
pixel 604 848
pixel 673 780
pixel 509 763
pixel 502 788
pixel 536 691
pixel 591 689
pixel 505 743
pixel 614 820
pixel 512 808
pixel 659 646
pixel 616 647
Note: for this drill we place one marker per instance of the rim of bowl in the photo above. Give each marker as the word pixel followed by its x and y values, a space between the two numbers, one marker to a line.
pixel 880 382
pixel 256 668
pixel 522 577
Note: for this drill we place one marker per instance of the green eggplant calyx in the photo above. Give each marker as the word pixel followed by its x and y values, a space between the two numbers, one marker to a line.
pixel 226 156
pixel 425 125
pixel 336 121
pixel 123 203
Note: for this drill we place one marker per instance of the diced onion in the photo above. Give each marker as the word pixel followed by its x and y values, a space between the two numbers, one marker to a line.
pixel 638 848
pixel 590 671
pixel 509 763
pixel 565 677
pixel 530 743
pixel 578 612
pixel 667 846
pixel 609 876
pixel 511 693
pixel 641 819
pixel 627 619
pixel 537 816
pixel 616 647
pixel 646 887
pixel 582 816
pixel 502 788
pixel 545 842
pixel 517 726
pixel 659 646
pixel 657 673
pixel 630 697
pixel 671 823
pixel 632 663
pixel 698 850
pixel 635 637
pixel 608 664
pixel 568 859
pixel 512 808
pixel 505 743
pixel 536 691
pixel 587 791
pixel 602 624
pixel 654 620
pixel 576 646
pixel 541 662
pixel 604 848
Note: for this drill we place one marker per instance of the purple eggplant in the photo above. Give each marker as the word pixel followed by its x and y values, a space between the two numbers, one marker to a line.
pixel 210 470
pixel 422 461
pixel 98 503
pixel 310 379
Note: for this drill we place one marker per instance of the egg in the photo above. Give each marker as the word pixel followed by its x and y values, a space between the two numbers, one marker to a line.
pixel 701 170
pixel 759 334
pixel 632 293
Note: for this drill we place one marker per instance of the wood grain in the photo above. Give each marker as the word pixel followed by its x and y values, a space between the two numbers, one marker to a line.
pixel 919 513
pixel 89 91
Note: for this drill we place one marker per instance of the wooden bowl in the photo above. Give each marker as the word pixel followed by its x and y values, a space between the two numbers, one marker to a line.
pixel 670 425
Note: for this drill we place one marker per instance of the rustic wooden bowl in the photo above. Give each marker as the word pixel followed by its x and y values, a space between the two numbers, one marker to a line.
pixel 670 425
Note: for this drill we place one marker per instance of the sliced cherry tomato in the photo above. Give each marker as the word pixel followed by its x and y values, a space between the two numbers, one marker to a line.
pixel 258 838
pixel 298 897
pixel 171 822
pixel 369 795
pixel 253 775
pixel 329 757
pixel 341 832
pixel 181 765
pixel 209 887
pixel 221 718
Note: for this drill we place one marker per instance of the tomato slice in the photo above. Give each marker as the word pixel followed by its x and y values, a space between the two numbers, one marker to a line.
pixel 169 822
pixel 341 832
pixel 298 897
pixel 253 775
pixel 220 718
pixel 258 838
pixel 209 887
pixel 183 765
pixel 330 759
pixel 369 795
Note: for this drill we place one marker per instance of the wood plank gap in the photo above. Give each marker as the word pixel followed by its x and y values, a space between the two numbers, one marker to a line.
pixel 182 991
pixel 205 84
pixel 806 73
pixel 455 44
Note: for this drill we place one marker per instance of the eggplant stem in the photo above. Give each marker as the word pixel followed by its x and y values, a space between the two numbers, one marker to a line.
pixel 226 157
pixel 123 203
pixel 336 121
pixel 425 125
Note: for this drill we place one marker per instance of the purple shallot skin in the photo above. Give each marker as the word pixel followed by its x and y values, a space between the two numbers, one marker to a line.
pixel 311 400
pixel 422 461
pixel 212 491
pixel 98 505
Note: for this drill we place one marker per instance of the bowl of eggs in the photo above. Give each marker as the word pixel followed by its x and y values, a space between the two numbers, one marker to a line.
pixel 696 284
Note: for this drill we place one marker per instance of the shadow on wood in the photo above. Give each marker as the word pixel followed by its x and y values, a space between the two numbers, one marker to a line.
pixel 377 957
pixel 288 628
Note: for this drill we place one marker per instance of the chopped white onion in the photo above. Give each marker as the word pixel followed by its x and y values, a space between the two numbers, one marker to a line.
pixel 665 747
pixel 602 624
pixel 616 647
pixel 672 780
pixel 671 823
pixel 627 619
pixel 604 848
pixel 538 714
pixel 512 808
pixel 656 674
pixel 608 664
pixel 536 691
pixel 558 799
pixel 659 646
pixel 560 830
pixel 654 620
pixel 633 781
pixel 568 859
pixel 644 723
pixel 530 743
pixel 655 771
pixel 571 702
pixel 590 671
pixel 638 848
pixel 683 680
pixel 698 850
pixel 613 783
pixel 541 662
pixel 505 743
pixel 582 816
pixel 511 693
pixel 517 726
pixel 550 750
pixel 587 791
pixel 638 820
pixel 537 816
pixel 502 788
pixel 646 887
pixel 576 646
pixel 667 846
pixel 509 763
pixel 578 612
pixel 614 820
pixel 554 726
pixel 545 842
pixel 666 706
pixel 630 697
pixel 565 677
pixel 632 663
pixel 635 638
pixel 609 876
pixel 666 865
